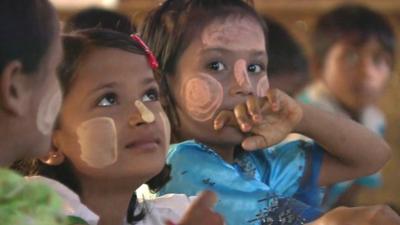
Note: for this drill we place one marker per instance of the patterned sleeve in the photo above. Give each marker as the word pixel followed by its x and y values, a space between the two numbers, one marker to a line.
pixel 294 170
pixel 187 162
pixel 309 191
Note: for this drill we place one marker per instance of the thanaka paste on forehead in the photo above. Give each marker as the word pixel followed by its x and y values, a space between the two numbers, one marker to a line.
pixel 262 86
pixel 202 96
pixel 241 74
pixel 227 32
pixel 98 140
pixel 48 111
pixel 146 114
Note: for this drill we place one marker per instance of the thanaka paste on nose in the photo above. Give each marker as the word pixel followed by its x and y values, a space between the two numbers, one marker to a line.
pixel 146 114
pixel 241 75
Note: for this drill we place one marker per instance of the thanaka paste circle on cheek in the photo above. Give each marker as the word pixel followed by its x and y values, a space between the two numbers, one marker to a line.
pixel 202 97
pixel 146 114
pixel 262 86
pixel 48 111
pixel 98 140
pixel 166 129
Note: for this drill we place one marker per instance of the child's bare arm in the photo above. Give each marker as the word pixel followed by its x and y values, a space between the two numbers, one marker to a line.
pixel 352 150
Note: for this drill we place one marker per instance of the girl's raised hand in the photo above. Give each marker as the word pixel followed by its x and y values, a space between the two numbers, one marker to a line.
pixel 268 119
pixel 201 211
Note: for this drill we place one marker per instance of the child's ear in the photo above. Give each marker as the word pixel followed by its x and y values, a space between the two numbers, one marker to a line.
pixel 55 156
pixel 13 90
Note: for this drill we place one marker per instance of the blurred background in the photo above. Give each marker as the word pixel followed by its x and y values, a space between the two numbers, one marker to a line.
pixel 299 16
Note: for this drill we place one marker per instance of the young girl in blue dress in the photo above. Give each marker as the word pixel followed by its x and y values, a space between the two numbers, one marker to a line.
pixel 228 123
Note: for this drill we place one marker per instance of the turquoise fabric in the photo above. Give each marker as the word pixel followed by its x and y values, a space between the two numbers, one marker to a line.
pixel 258 188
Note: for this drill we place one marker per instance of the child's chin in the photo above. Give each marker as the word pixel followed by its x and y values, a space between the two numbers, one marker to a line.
pixel 230 135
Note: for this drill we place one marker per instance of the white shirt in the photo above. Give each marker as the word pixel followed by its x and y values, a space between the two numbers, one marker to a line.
pixel 167 207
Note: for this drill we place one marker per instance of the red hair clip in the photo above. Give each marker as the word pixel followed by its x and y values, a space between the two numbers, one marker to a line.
pixel 150 56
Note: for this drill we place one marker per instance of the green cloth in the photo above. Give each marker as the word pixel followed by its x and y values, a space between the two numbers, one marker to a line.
pixel 73 220
pixel 28 203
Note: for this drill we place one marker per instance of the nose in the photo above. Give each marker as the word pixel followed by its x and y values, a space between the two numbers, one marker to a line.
pixel 242 84
pixel 141 115
pixel 367 67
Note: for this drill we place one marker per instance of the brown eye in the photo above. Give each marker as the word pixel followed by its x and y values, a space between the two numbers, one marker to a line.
pixel 217 66
pixel 150 96
pixel 107 100
pixel 254 68
pixel 352 57
pixel 379 58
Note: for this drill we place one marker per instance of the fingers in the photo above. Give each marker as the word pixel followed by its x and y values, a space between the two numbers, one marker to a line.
pixel 273 96
pixel 225 118
pixel 206 199
pixel 254 143
pixel 243 117
pixel 250 113
pixel 201 212
pixel 253 107
pixel 383 214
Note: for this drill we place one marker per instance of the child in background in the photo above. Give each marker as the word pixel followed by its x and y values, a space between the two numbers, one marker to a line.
pixel 213 62
pixel 287 65
pixel 30 98
pixel 99 18
pixel 112 136
pixel 353 57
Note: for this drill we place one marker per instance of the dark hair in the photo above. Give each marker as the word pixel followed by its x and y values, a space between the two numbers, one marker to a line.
pixel 170 28
pixel 27 28
pixel 76 46
pixel 285 55
pixel 353 21
pixel 100 18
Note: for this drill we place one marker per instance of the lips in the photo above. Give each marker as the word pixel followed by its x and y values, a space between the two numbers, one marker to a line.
pixel 144 144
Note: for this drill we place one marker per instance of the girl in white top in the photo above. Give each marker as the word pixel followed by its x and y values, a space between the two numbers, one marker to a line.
pixel 112 136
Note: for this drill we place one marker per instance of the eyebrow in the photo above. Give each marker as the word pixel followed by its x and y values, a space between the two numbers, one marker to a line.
pixel 256 53
pixel 103 86
pixel 148 80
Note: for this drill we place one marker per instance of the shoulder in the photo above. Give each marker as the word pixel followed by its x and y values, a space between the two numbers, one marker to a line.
pixel 71 203
pixel 20 200
pixel 180 152
pixel 176 202
pixel 58 187
pixel 374 119
pixel 318 95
